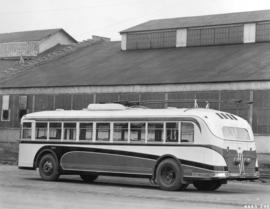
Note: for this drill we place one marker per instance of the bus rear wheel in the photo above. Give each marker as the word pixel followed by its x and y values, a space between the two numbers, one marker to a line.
pixel 89 177
pixel 169 175
pixel 207 185
pixel 48 168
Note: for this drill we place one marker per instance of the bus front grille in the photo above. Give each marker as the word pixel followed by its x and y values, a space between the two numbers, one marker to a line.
pixel 240 164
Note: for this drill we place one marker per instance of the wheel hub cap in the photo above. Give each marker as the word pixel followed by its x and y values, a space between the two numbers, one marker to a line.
pixel 48 167
pixel 168 175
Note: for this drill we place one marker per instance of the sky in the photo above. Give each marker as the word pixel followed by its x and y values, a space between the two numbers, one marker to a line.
pixel 84 18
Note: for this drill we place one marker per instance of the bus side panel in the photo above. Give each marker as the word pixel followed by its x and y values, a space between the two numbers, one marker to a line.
pixel 27 153
pixel 106 162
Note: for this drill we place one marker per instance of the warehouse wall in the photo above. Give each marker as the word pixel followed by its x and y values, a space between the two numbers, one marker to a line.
pixel 17 49
pixel 197 36
pixel 263 32
pixel 51 41
pixel 254 106
pixel 151 40
pixel 218 35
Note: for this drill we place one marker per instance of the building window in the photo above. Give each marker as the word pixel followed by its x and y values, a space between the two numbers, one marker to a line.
pixel 5 113
pixel 22 106
pixel 193 37
pixel 69 131
pixel 169 39
pixel 147 40
pixel 103 132
pixel 55 131
pixel 41 131
pixel 235 133
pixel 215 35
pixel 120 132
pixel 207 36
pixel 261 112
pixel 263 32
pixel 221 35
pixel 26 130
pixel 143 41
pixel 86 131
pixel 157 40
pixel 171 132
pixel 155 132
pixel 137 132
pixel 131 41
pixel 187 132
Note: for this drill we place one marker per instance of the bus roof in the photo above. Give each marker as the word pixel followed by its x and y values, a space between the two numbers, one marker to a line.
pixel 214 119
pixel 136 113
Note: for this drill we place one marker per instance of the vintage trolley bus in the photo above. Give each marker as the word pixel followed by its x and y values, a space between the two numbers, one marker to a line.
pixel 173 147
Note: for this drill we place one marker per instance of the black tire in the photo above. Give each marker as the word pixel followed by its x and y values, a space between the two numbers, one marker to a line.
pixel 89 178
pixel 207 185
pixel 48 168
pixel 169 175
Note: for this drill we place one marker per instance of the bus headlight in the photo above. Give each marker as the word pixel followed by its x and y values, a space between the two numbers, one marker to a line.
pixel 247 161
pixel 221 174
pixel 211 175
pixel 257 164
pixel 257 173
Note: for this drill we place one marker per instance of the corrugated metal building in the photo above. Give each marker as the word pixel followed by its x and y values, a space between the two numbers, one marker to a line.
pixel 32 43
pixel 17 47
pixel 222 59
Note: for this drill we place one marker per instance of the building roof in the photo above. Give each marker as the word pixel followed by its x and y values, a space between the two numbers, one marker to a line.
pixel 198 21
pixel 10 66
pixel 35 35
pixel 7 64
pixel 104 64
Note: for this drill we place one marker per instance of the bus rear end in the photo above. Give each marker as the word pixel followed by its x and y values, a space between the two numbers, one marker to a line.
pixel 239 150
pixel 240 155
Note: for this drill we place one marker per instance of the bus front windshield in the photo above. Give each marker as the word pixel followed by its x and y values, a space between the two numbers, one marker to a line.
pixel 235 133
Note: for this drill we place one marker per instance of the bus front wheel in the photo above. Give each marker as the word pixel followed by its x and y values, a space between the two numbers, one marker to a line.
pixel 207 185
pixel 48 168
pixel 169 175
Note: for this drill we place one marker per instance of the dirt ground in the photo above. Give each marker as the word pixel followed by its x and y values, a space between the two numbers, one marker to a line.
pixel 24 189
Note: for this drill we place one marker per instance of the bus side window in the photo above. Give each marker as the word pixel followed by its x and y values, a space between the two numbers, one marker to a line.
pixel 187 132
pixel 120 132
pixel 27 130
pixel 103 132
pixel 86 131
pixel 55 131
pixel 41 131
pixel 171 132
pixel 155 132
pixel 69 131
pixel 137 132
